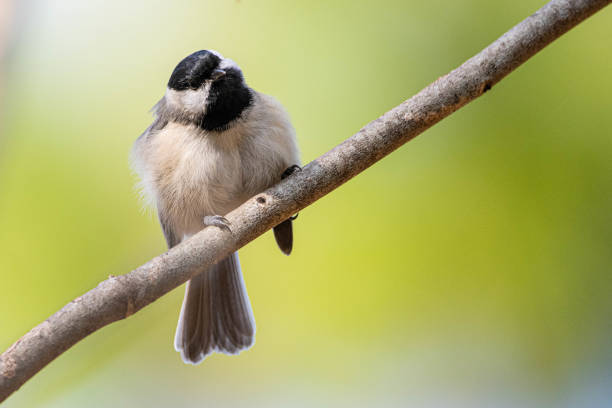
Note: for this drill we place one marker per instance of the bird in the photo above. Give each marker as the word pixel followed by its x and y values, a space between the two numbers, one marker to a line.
pixel 214 143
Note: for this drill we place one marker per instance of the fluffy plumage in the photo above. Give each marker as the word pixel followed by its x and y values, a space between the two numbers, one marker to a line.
pixel 215 142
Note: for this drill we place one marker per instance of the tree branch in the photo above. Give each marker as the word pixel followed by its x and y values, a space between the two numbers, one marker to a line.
pixel 118 297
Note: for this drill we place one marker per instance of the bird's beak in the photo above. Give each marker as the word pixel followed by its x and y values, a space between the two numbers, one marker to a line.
pixel 216 74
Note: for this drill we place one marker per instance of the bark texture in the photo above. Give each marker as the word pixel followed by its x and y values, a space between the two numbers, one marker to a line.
pixel 121 296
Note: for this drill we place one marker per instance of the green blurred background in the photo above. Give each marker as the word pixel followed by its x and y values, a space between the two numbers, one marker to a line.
pixel 471 268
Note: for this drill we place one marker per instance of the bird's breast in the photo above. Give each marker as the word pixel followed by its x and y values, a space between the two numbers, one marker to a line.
pixel 194 176
pixel 188 173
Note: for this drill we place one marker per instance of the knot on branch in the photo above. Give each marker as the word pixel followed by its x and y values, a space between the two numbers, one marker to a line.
pixel 130 309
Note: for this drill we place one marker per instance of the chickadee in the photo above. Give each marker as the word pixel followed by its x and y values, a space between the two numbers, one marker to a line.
pixel 215 143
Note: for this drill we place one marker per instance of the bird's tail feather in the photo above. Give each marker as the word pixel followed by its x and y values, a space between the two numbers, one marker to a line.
pixel 216 315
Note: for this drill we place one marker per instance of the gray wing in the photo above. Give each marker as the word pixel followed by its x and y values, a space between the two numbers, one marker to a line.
pixel 171 238
pixel 283 233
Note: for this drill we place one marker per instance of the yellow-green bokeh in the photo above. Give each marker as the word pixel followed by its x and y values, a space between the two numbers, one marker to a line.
pixel 472 267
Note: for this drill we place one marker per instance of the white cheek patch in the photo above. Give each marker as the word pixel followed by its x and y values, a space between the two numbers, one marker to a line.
pixel 225 62
pixel 228 63
pixel 190 100
pixel 217 53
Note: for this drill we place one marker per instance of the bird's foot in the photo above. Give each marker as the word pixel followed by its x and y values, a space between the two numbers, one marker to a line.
pixel 217 221
pixel 290 170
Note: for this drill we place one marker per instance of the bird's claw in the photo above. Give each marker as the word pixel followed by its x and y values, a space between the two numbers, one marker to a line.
pixel 290 170
pixel 217 221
